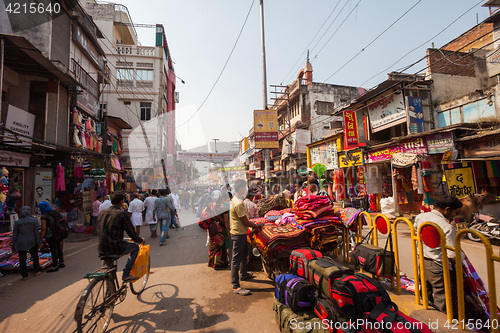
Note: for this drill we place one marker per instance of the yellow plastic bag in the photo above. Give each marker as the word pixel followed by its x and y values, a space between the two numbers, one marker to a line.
pixel 141 264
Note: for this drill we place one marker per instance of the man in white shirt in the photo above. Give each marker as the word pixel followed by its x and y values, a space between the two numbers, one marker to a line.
pixel 149 206
pixel 444 210
pixel 135 209
pixel 105 205
pixel 176 201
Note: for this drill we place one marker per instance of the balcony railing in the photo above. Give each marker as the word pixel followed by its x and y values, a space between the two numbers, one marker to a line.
pixel 149 51
pixel 84 78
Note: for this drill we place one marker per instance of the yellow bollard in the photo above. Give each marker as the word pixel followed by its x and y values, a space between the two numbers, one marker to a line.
pixel 446 269
pixel 388 224
pixel 490 259
pixel 414 255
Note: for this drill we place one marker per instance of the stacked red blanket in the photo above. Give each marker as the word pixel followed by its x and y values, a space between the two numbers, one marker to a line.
pixel 310 207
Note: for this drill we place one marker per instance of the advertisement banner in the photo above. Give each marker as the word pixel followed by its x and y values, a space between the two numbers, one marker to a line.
pixel 326 154
pixel 439 143
pixel 233 168
pixel 460 181
pixel 266 128
pixel 387 111
pixel 43 187
pixel 350 159
pixel 158 173
pixel 350 130
pixel 382 154
pixel 21 122
pixel 206 157
pixel 415 115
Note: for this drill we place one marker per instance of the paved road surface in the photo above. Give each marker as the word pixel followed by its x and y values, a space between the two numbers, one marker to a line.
pixel 183 294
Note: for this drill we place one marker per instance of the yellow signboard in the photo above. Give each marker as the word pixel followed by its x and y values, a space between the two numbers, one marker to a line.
pixel 349 159
pixel 460 182
pixel 266 128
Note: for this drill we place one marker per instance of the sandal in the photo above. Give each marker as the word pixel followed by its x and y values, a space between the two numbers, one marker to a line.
pixel 242 291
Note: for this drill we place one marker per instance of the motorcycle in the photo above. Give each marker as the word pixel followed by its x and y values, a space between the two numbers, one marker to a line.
pixel 486 225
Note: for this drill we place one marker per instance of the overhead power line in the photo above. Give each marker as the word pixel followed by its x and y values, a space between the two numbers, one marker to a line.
pixel 223 68
pixel 373 41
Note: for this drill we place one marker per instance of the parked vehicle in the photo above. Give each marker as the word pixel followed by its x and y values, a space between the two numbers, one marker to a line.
pixel 486 225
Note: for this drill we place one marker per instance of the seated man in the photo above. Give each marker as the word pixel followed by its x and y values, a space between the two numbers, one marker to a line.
pixel 112 223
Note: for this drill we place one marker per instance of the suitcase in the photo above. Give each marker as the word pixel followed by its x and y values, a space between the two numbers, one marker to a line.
pixel 323 271
pixel 385 317
pixel 297 322
pixel 329 316
pixel 300 294
pixel 299 261
pixel 350 295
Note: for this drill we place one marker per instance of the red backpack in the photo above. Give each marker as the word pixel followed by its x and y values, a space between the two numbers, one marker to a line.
pixel 299 261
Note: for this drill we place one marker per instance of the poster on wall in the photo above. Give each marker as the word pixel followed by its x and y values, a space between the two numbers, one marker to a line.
pixel 387 111
pixel 460 180
pixel 43 187
pixel 415 115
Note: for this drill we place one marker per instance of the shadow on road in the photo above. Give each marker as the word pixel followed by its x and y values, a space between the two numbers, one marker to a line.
pixel 170 313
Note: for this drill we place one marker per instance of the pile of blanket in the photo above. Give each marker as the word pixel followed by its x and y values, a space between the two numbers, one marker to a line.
pixel 272 240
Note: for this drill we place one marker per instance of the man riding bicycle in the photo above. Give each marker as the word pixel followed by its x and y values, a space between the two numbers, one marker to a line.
pixel 112 222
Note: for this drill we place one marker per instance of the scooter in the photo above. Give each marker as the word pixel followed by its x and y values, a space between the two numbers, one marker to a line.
pixel 486 225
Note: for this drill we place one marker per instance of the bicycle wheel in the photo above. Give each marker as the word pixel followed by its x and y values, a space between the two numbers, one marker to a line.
pixel 138 285
pixel 92 314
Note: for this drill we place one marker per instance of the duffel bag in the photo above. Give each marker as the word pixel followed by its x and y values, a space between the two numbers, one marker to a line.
pixel 329 316
pixel 385 317
pixel 299 261
pixel 297 322
pixel 280 283
pixel 373 259
pixel 323 271
pixel 300 294
pixel 350 295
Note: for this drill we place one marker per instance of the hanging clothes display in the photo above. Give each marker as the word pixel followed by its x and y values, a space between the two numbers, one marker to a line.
pixel 60 180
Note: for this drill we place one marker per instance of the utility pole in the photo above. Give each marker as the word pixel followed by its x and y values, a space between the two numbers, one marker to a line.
pixel 266 152
pixel 215 141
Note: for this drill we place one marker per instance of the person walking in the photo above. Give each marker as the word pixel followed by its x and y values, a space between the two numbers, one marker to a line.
pixel 95 213
pixel 174 218
pixel 112 225
pixel 135 211
pixel 26 238
pixel 149 205
pixel 162 210
pixel 444 210
pixel 239 224
pixel 50 230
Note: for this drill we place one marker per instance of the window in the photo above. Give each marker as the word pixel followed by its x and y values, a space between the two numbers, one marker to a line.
pixel 145 110
pixel 126 102
pixel 125 74
pixel 144 75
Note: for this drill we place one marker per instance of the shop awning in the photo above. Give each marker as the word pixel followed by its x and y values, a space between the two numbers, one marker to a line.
pixel 22 57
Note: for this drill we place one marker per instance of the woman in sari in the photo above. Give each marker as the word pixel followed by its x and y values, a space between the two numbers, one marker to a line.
pixel 215 219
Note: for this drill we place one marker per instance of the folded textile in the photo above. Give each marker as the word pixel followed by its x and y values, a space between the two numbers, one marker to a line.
pixel 348 216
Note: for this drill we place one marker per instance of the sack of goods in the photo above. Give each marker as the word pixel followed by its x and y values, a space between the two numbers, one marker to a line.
pixel 299 261
pixel 300 321
pixel 373 259
pixel 323 272
pixel 295 292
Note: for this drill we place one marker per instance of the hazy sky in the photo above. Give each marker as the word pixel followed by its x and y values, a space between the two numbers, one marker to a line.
pixel 201 34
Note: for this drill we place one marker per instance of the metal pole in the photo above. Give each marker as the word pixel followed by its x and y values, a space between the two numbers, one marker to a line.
pixel 2 51
pixel 266 152
pixel 289 114
pixel 215 141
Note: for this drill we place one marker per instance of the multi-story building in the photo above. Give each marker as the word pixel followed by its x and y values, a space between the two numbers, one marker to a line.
pixel 142 88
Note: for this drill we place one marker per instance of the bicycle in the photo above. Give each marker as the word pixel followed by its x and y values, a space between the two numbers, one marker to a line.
pixel 95 307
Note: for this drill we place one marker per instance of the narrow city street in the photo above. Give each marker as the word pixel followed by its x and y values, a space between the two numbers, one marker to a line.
pixel 183 293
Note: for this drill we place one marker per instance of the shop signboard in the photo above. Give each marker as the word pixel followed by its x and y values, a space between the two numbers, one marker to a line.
pixel 349 159
pixel 414 146
pixel 439 143
pixel 9 158
pixel 21 122
pixel 387 111
pixel 485 147
pixel 381 155
pixel 415 115
pixel 266 128
pixel 460 180
pixel 88 103
pixel 233 168
pixel 325 153
pixel 43 186
pixel 158 173
pixel 350 130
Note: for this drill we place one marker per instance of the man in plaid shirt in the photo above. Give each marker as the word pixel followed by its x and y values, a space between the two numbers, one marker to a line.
pixel 112 223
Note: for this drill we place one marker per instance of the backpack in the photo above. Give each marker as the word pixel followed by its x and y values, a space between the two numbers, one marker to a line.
pixel 58 225
pixel 299 261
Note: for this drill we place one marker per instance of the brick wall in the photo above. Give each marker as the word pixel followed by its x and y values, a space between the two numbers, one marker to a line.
pixel 451 63
pixel 477 37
